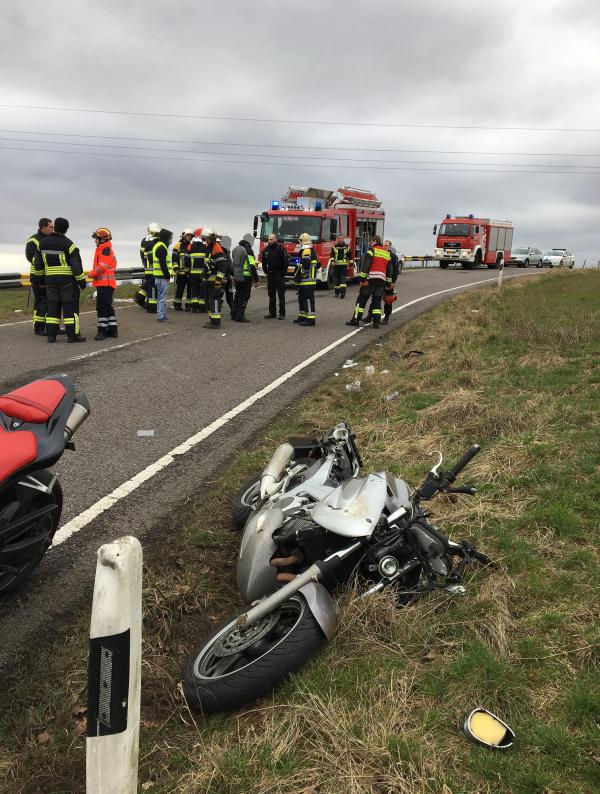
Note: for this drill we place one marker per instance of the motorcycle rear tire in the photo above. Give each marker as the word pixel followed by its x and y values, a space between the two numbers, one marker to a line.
pixel 228 691
pixel 241 504
pixel 48 525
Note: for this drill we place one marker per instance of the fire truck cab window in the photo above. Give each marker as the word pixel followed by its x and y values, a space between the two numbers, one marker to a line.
pixel 455 229
pixel 288 228
pixel 344 225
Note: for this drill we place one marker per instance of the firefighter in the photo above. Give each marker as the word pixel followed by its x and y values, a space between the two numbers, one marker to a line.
pixel 376 273
pixel 198 252
pixel 216 274
pixel 244 273
pixel 228 285
pixel 340 259
pixel 61 261
pixel 305 279
pixel 103 279
pixel 389 295
pixel 181 268
pixel 162 270
pixel 36 276
pixel 147 292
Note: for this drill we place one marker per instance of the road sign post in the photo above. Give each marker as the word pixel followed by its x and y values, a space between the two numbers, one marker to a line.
pixel 114 671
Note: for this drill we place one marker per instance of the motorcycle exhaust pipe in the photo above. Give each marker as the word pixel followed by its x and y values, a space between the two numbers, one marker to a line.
pixel 79 413
pixel 270 480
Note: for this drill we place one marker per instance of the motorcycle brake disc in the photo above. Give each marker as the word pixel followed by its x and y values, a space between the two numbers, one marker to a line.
pixel 242 637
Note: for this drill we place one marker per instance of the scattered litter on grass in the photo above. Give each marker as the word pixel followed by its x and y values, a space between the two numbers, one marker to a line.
pixel 393 396
pixel 223 334
pixel 369 369
pixel 354 386
pixel 18 311
pixel 353 345
pixel 475 311
pixel 146 433
pixel 385 371
pixel 349 363
pixel 413 353
pixel 337 374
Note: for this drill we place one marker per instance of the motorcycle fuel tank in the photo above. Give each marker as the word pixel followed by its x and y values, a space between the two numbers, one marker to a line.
pixel 354 507
pixel 256 577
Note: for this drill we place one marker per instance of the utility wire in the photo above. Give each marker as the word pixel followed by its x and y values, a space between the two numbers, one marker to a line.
pixel 291 165
pixel 252 119
pixel 294 146
pixel 303 157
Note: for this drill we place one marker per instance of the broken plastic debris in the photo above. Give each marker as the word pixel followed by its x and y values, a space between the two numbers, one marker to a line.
pixel 349 363
pixel 18 311
pixel 369 370
pixel 223 334
pixel 145 433
pixel 475 311
pixel 384 371
pixel 354 386
pixel 336 374
pixel 393 396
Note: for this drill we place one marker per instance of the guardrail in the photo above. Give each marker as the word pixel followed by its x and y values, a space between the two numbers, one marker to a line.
pixel 17 280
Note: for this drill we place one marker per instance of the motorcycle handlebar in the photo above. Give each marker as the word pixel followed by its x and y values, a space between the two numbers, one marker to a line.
pixel 466 458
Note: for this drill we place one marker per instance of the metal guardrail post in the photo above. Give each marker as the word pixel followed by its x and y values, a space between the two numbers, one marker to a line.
pixel 114 671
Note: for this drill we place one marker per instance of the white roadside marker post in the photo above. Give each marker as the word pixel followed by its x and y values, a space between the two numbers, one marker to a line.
pixel 114 670
pixel 500 272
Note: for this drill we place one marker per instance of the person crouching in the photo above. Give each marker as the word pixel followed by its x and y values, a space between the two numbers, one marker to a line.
pixel 103 279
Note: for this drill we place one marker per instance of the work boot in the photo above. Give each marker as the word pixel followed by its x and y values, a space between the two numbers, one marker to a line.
pixel 40 331
pixel 51 339
pixel 269 316
pixel 281 317
pixel 178 307
pixel 242 320
pixel 311 322
pixel 113 332
pixel 385 321
pixel 376 324
pixel 299 320
pixel 188 308
pixel 342 295
pixel 100 335
pixel 195 309
pixel 77 338
pixel 353 321
pixel 211 325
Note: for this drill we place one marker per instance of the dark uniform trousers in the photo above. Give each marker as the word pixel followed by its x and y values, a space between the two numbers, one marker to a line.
pixel 374 291
pixel 199 287
pixel 61 295
pixel 276 290
pixel 40 306
pixel 215 300
pixel 151 301
pixel 242 296
pixel 340 275
pixel 183 284
pixel 306 304
pixel 107 321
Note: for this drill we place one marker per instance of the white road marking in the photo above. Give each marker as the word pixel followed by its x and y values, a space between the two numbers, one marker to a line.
pixel 115 347
pixel 106 502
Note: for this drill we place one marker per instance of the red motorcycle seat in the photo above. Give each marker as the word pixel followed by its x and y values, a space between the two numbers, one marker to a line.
pixel 17 450
pixel 35 402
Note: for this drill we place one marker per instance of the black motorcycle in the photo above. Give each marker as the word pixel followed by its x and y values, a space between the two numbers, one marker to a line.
pixel 37 422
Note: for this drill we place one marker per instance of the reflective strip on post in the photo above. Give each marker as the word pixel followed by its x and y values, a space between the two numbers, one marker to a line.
pixel 114 671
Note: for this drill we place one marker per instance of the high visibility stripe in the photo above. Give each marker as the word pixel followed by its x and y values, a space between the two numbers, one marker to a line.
pixel 52 321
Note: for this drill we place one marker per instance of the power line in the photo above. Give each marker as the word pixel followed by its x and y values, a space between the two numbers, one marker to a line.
pixel 291 165
pixel 305 157
pixel 297 146
pixel 299 121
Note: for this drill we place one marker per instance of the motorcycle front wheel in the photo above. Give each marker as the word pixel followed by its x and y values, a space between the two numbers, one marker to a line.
pixel 236 666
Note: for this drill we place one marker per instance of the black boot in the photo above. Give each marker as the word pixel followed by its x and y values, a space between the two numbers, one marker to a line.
pixel 178 307
pixel 188 308
pixel 385 321
pixel 100 335
pixel 353 321
pixel 77 338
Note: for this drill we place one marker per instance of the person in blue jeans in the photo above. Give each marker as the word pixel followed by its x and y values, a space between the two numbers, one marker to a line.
pixel 162 270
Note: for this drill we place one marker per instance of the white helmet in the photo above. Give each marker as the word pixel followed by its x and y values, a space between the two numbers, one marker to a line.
pixel 153 228
pixel 187 230
pixel 207 232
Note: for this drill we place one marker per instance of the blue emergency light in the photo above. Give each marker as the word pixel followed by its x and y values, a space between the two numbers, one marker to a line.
pixel 274 205
pixel 318 206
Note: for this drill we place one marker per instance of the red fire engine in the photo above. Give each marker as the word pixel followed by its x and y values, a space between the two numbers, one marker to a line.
pixel 354 214
pixel 473 242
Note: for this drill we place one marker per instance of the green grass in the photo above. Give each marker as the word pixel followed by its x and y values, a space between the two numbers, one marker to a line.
pixel 381 709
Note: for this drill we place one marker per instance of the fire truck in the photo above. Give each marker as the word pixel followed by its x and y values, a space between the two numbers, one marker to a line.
pixel 472 242
pixel 354 214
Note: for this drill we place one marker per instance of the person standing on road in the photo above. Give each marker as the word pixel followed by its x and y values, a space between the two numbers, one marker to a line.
pixel 181 269
pixel 340 259
pixel 244 273
pixel 36 276
pixel 376 273
pixel 147 292
pixel 162 271
pixel 389 294
pixel 103 279
pixel 275 264
pixel 305 279
pixel 198 251
pixel 228 283
pixel 61 261
pixel 216 269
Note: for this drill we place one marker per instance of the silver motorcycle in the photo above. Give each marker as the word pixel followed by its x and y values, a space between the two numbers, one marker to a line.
pixel 314 526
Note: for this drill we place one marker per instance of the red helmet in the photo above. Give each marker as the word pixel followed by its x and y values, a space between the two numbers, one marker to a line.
pixel 102 235
pixel 198 232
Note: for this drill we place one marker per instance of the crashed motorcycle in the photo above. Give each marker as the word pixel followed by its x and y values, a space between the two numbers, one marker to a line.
pixel 313 527
pixel 37 423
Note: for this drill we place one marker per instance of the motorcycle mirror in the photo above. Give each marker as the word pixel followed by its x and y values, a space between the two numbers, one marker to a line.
pixel 485 728
pixel 435 468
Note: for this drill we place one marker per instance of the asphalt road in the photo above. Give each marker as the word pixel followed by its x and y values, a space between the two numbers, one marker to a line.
pixel 175 379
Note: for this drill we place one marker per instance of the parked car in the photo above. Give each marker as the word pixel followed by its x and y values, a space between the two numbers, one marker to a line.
pixel 525 256
pixel 558 257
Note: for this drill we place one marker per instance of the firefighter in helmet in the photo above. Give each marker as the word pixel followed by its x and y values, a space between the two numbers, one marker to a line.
pixel 146 295
pixel 181 268
pixel 216 274
pixel 103 280
pixel 375 276
pixel 305 278
pixel 198 253
pixel 340 259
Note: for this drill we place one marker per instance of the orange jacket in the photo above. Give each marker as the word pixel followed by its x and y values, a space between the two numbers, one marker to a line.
pixel 105 262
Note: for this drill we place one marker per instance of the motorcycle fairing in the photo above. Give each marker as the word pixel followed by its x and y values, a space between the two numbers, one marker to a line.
pixel 256 577
pixel 354 507
pixel 46 420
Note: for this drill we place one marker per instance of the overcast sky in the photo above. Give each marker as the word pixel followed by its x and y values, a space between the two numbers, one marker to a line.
pixel 433 65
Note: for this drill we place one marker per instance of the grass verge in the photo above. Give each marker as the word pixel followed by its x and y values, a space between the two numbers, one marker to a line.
pixel 13 302
pixel 380 710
